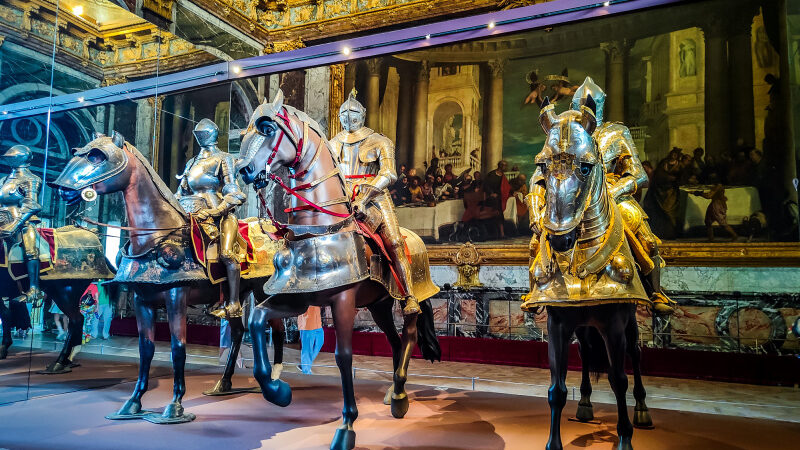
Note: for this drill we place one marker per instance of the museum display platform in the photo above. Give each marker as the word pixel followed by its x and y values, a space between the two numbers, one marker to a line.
pixel 439 418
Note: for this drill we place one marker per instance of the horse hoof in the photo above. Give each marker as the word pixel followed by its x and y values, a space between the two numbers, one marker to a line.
pixel 3 351
pixel 278 392
pixel 55 369
pixel 554 446
pixel 344 439
pixel 132 409
pixel 387 399
pixel 585 413
pixel 399 405
pixel 173 413
pixel 641 418
pixel 625 443
pixel 223 387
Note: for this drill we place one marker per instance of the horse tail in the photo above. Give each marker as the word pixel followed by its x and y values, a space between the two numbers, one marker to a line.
pixel 593 350
pixel 427 340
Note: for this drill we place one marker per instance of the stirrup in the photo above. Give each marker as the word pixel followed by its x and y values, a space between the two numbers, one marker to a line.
pixel 34 296
pixel 662 304
pixel 229 311
pixel 412 306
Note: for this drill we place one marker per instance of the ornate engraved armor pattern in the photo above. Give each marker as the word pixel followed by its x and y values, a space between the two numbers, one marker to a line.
pixel 208 190
pixel 366 159
pixel 625 175
pixel 19 204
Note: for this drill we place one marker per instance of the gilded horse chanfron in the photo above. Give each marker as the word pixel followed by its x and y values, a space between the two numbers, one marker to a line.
pixel 583 271
pixel 325 259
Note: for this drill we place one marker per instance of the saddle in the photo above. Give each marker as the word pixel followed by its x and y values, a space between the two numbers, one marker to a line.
pixel 255 247
pixel 64 253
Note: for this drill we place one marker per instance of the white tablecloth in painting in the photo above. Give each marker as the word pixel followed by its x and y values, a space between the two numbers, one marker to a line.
pixel 426 220
pixel 742 202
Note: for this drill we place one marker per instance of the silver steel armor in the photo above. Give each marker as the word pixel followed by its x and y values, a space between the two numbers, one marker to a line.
pixel 19 204
pixel 366 159
pixel 625 175
pixel 208 190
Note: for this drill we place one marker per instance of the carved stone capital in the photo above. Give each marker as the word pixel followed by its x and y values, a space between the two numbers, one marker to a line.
pixel 497 67
pixel 424 70
pixel 374 66
pixel 618 50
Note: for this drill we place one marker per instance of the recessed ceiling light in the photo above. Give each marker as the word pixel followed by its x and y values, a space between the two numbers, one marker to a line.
pixel 606 3
pixel 236 69
pixel 346 51
pixel 80 99
pixel 427 36
pixel 491 25
pixel 5 112
pixel 77 10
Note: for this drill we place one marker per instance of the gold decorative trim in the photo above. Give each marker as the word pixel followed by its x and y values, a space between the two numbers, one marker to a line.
pixel 679 254
pixel 335 99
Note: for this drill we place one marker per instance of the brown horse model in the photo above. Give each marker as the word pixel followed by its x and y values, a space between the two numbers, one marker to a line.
pixel 325 261
pixel 158 262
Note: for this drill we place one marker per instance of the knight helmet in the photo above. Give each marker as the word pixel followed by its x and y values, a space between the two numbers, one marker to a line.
pixel 352 113
pixel 17 156
pixel 590 88
pixel 206 133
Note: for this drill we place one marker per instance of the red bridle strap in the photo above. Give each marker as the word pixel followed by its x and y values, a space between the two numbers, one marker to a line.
pixel 291 191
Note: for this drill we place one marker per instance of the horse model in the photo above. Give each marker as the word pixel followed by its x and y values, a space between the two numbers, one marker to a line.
pixel 70 259
pixel 324 260
pixel 160 262
pixel 583 271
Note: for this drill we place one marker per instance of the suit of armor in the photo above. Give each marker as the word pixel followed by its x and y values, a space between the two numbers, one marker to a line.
pixel 208 190
pixel 19 204
pixel 625 175
pixel 366 159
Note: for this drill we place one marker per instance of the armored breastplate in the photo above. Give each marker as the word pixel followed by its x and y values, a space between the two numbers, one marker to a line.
pixel 204 182
pixel 11 196
pixel 355 159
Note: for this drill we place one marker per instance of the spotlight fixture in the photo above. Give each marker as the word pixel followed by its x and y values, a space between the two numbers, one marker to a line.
pixel 5 112
pixel 80 99
pixel 491 25
pixel 427 36
pixel 236 69
pixel 606 3
pixel 77 10
pixel 346 51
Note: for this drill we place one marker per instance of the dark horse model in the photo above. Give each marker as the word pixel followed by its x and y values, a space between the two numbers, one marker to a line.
pixel 158 262
pixel 584 272
pixel 325 261
pixel 78 262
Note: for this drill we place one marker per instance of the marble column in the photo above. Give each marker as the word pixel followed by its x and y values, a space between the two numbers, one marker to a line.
pixel 405 139
pixel 144 126
pixel 493 152
pixel 716 87
pixel 373 93
pixel 616 74
pixel 741 78
pixel 420 114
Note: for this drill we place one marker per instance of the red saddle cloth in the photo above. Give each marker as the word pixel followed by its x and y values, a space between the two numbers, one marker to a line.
pixel 17 269
pixel 216 269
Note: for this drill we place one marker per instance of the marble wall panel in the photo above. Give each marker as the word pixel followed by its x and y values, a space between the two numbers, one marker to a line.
pixel 317 94
pixel 695 325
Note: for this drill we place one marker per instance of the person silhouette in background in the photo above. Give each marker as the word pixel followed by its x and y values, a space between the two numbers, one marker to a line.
pixel 311 337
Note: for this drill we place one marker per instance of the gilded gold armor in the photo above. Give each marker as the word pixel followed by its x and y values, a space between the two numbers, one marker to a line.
pixel 367 161
pixel 625 175
pixel 19 204
pixel 208 190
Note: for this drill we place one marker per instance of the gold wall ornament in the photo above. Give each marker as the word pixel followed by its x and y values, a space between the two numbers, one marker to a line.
pixel 336 98
pixel 468 263
pixel 284 46
pixel 161 8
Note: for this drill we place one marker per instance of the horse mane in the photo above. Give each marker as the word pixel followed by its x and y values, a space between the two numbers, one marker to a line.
pixel 168 196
